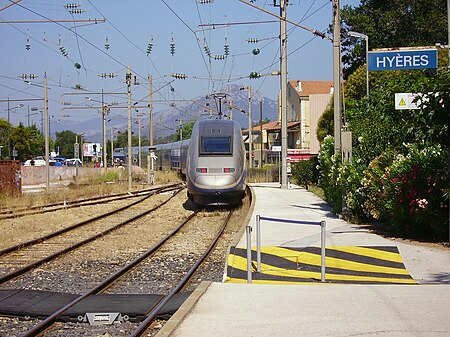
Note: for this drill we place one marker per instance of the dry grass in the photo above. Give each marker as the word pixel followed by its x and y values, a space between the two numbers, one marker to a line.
pixel 92 187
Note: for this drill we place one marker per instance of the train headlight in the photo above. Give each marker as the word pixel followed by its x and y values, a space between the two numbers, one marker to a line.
pixel 201 170
pixel 228 170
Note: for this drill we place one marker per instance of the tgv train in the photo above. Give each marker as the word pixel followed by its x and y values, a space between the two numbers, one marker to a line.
pixel 213 161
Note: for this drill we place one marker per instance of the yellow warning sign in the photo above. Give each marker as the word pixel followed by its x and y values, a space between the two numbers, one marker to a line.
pixel 407 101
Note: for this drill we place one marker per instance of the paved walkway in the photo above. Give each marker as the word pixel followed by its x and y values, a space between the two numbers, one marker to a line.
pixel 315 308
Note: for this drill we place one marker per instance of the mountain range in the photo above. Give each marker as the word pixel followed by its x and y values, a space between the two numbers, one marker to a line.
pixel 166 122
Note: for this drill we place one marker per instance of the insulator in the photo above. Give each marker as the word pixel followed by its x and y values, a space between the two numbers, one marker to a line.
pixel 254 75
pixel 149 48
pixel 106 44
pixel 253 40
pixel 219 57
pixel 226 49
pixel 207 51
pixel 71 6
pixel 28 45
pixel 30 76
pixel 76 11
pixel 172 46
pixel 179 76
pixel 204 2
pixel 63 51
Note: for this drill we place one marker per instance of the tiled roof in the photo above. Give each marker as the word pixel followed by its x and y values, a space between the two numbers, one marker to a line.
pixel 271 126
pixel 312 87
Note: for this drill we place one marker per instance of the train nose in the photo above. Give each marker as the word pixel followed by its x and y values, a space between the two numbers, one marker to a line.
pixel 212 182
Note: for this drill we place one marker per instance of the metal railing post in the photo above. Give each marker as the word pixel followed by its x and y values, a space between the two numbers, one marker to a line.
pixel 249 254
pixel 258 244
pixel 323 225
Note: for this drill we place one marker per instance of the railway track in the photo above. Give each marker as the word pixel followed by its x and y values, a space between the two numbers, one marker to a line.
pixel 17 212
pixel 115 282
pixel 19 259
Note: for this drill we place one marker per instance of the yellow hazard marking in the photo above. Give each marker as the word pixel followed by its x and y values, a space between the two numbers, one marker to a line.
pixel 385 274
pixel 402 102
pixel 331 262
pixel 241 263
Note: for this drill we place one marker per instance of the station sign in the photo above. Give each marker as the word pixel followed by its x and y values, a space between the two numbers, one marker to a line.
pixel 403 59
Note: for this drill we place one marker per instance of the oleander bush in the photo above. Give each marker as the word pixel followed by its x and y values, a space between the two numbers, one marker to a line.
pixel 407 190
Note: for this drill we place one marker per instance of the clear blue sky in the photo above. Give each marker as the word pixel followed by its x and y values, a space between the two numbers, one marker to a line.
pixel 129 26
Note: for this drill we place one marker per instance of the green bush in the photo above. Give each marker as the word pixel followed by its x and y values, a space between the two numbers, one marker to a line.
pixel 408 191
pixel 108 177
pixel 305 172
pixel 330 165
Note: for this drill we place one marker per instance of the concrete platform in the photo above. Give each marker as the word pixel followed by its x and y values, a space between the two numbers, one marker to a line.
pixel 320 309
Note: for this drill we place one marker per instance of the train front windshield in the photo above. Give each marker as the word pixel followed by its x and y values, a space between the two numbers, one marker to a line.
pixel 215 146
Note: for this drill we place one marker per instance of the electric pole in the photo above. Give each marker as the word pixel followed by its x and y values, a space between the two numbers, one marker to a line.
pixel 283 68
pixel 150 154
pixel 250 126
pixel 337 76
pixel 130 151
pixel 46 131
pixel 104 112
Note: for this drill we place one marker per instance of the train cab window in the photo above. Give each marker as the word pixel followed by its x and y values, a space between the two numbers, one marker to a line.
pixel 215 146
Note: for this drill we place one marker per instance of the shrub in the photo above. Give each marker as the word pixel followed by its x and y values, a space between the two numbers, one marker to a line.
pixel 330 173
pixel 408 191
pixel 305 172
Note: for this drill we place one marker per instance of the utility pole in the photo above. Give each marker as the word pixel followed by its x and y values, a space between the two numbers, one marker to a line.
pixel 139 137
pixel 112 146
pixel 130 153
pixel 337 75
pixel 9 134
pixel 261 132
pixel 448 42
pixel 104 112
pixel 250 126
pixel 180 128
pixel 283 68
pixel 46 131
pixel 230 107
pixel 150 168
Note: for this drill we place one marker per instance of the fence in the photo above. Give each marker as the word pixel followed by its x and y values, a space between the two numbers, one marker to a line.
pixel 10 176
pixel 322 225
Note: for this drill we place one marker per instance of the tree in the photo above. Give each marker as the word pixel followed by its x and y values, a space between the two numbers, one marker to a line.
pixel 122 139
pixel 325 126
pixel 186 131
pixel 394 23
pixel 28 142
pixel 65 141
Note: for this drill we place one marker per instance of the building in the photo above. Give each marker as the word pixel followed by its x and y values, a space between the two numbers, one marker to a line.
pixel 306 102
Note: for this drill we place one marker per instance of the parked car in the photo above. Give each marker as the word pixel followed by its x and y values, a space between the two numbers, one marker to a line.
pixel 73 162
pixel 37 161
pixel 59 161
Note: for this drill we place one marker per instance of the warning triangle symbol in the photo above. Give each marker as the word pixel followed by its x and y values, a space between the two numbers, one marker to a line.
pixel 402 102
